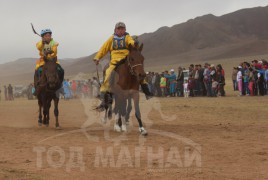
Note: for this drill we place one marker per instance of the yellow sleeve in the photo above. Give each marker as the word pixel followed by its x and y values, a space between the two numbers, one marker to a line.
pixel 39 46
pixel 55 50
pixel 129 40
pixel 104 49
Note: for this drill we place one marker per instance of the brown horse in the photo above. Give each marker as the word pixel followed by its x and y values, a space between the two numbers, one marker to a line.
pixel 47 91
pixel 129 74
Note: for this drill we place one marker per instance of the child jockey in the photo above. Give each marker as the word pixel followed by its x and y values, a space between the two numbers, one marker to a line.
pixel 47 48
pixel 118 45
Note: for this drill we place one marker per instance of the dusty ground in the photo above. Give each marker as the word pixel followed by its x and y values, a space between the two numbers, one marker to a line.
pixel 226 138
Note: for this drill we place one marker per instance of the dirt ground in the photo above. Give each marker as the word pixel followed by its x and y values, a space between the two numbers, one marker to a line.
pixel 195 138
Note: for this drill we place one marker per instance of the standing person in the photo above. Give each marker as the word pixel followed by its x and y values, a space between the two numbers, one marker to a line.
pixel 206 78
pixel 211 75
pixel 191 70
pixel 153 91
pixel 10 93
pixel 85 90
pixel 180 80
pixel 214 87
pixel 221 79
pixel 245 79
pixel 201 80
pixel 67 90
pixel 168 84
pixel 266 78
pixel 185 89
pixel 261 82
pixel 157 84
pixel 95 87
pixel 90 88
pixel 251 82
pixel 79 89
pixel 234 75
pixel 239 80
pixel 5 91
pixel 196 80
pixel 191 86
pixel 172 79
pixel 74 88
pixel 163 85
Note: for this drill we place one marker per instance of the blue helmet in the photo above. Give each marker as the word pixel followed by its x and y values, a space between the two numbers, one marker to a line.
pixel 44 31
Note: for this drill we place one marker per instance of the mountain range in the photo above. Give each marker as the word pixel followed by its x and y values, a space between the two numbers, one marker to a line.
pixel 238 34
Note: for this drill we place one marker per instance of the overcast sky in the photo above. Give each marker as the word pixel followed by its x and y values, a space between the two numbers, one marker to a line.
pixel 81 26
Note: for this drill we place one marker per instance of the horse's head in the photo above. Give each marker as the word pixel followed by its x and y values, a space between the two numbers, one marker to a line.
pixel 136 61
pixel 51 74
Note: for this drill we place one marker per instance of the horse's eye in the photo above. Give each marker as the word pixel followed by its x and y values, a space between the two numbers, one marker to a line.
pixel 132 59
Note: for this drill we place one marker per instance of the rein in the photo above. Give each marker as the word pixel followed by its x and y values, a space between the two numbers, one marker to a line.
pixel 131 67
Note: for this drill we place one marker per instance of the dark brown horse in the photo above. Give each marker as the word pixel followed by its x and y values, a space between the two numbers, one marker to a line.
pixel 47 91
pixel 129 74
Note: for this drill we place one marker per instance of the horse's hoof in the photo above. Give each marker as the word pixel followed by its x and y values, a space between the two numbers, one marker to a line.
pixel 143 131
pixel 110 115
pixel 104 120
pixel 124 128
pixel 39 124
pixel 117 128
pixel 58 128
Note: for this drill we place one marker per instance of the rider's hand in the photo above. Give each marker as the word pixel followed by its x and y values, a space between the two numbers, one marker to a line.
pixel 96 62
pixel 50 52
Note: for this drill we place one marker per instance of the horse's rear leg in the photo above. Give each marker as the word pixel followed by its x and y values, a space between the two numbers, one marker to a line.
pixel 138 114
pixel 40 115
pixel 117 124
pixel 110 106
pixel 56 112
pixel 48 117
pixel 43 103
pixel 129 108
pixel 122 113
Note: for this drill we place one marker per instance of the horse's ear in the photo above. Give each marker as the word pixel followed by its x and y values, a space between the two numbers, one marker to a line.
pixel 141 47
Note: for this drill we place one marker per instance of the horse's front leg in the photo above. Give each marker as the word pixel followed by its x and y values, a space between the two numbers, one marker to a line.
pixel 122 113
pixel 56 111
pixel 40 113
pixel 48 107
pixel 45 107
pixel 129 108
pixel 117 116
pixel 136 98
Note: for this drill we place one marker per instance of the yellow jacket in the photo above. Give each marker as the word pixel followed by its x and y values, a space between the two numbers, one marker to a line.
pixel 118 46
pixel 53 46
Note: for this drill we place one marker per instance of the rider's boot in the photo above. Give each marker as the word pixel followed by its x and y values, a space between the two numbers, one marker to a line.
pixel 103 105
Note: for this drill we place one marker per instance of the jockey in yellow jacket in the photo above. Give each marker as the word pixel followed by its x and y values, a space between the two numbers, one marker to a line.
pixel 117 45
pixel 48 49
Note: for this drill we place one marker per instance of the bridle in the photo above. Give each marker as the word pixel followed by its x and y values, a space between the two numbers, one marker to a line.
pixel 46 82
pixel 131 67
